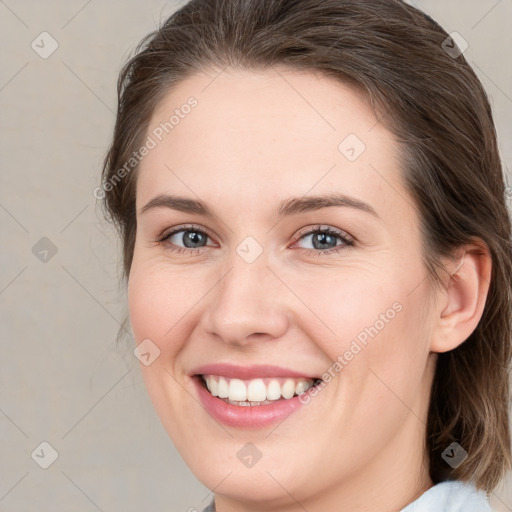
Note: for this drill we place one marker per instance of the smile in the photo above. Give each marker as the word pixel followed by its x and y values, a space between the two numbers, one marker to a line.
pixel 250 397
pixel 255 392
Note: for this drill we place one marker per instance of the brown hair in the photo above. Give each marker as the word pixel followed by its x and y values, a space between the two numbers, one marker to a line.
pixel 431 100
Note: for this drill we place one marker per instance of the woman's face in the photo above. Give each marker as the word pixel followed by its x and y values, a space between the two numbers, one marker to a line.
pixel 254 294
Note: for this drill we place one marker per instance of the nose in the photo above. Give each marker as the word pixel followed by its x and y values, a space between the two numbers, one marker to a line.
pixel 247 304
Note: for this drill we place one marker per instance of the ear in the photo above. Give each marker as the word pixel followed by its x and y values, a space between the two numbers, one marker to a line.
pixel 461 303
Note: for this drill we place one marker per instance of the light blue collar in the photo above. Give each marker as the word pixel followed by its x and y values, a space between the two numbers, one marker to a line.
pixel 451 496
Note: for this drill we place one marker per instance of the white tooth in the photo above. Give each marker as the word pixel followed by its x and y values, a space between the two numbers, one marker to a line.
pixel 256 391
pixel 301 387
pixel 222 388
pixel 288 389
pixel 213 385
pixel 273 390
pixel 237 390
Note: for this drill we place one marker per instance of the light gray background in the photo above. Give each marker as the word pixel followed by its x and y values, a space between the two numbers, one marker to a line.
pixel 62 378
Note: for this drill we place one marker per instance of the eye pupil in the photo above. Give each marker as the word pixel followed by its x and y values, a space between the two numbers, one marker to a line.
pixel 194 237
pixel 321 238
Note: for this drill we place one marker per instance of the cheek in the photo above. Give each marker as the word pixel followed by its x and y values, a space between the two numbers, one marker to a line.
pixel 383 361
pixel 145 304
pixel 373 323
pixel 161 313
pixel 349 304
pixel 161 304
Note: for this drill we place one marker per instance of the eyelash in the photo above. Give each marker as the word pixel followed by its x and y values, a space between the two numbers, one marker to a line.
pixel 347 240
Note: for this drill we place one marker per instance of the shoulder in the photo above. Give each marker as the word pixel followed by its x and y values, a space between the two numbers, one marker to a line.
pixel 210 507
pixel 451 496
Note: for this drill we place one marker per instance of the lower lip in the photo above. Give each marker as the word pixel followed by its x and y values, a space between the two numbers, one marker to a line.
pixel 257 416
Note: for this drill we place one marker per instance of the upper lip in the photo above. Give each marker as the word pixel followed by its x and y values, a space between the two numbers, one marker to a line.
pixel 248 372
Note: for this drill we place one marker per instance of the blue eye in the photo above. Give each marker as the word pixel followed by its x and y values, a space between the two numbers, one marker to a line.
pixel 191 235
pixel 322 236
pixel 194 239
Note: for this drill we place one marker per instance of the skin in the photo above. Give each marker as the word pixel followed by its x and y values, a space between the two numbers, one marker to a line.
pixel 254 139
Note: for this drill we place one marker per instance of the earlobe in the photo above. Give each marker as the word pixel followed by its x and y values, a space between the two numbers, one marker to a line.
pixel 463 300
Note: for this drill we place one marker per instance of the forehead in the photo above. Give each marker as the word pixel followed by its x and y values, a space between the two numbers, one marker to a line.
pixel 276 132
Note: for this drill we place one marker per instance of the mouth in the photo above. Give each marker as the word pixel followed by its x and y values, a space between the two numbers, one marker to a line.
pixel 256 392
pixel 252 397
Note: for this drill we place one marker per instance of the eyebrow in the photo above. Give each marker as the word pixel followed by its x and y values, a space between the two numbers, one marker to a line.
pixel 288 207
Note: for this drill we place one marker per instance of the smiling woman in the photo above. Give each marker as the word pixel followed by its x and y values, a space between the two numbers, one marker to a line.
pixel 320 251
